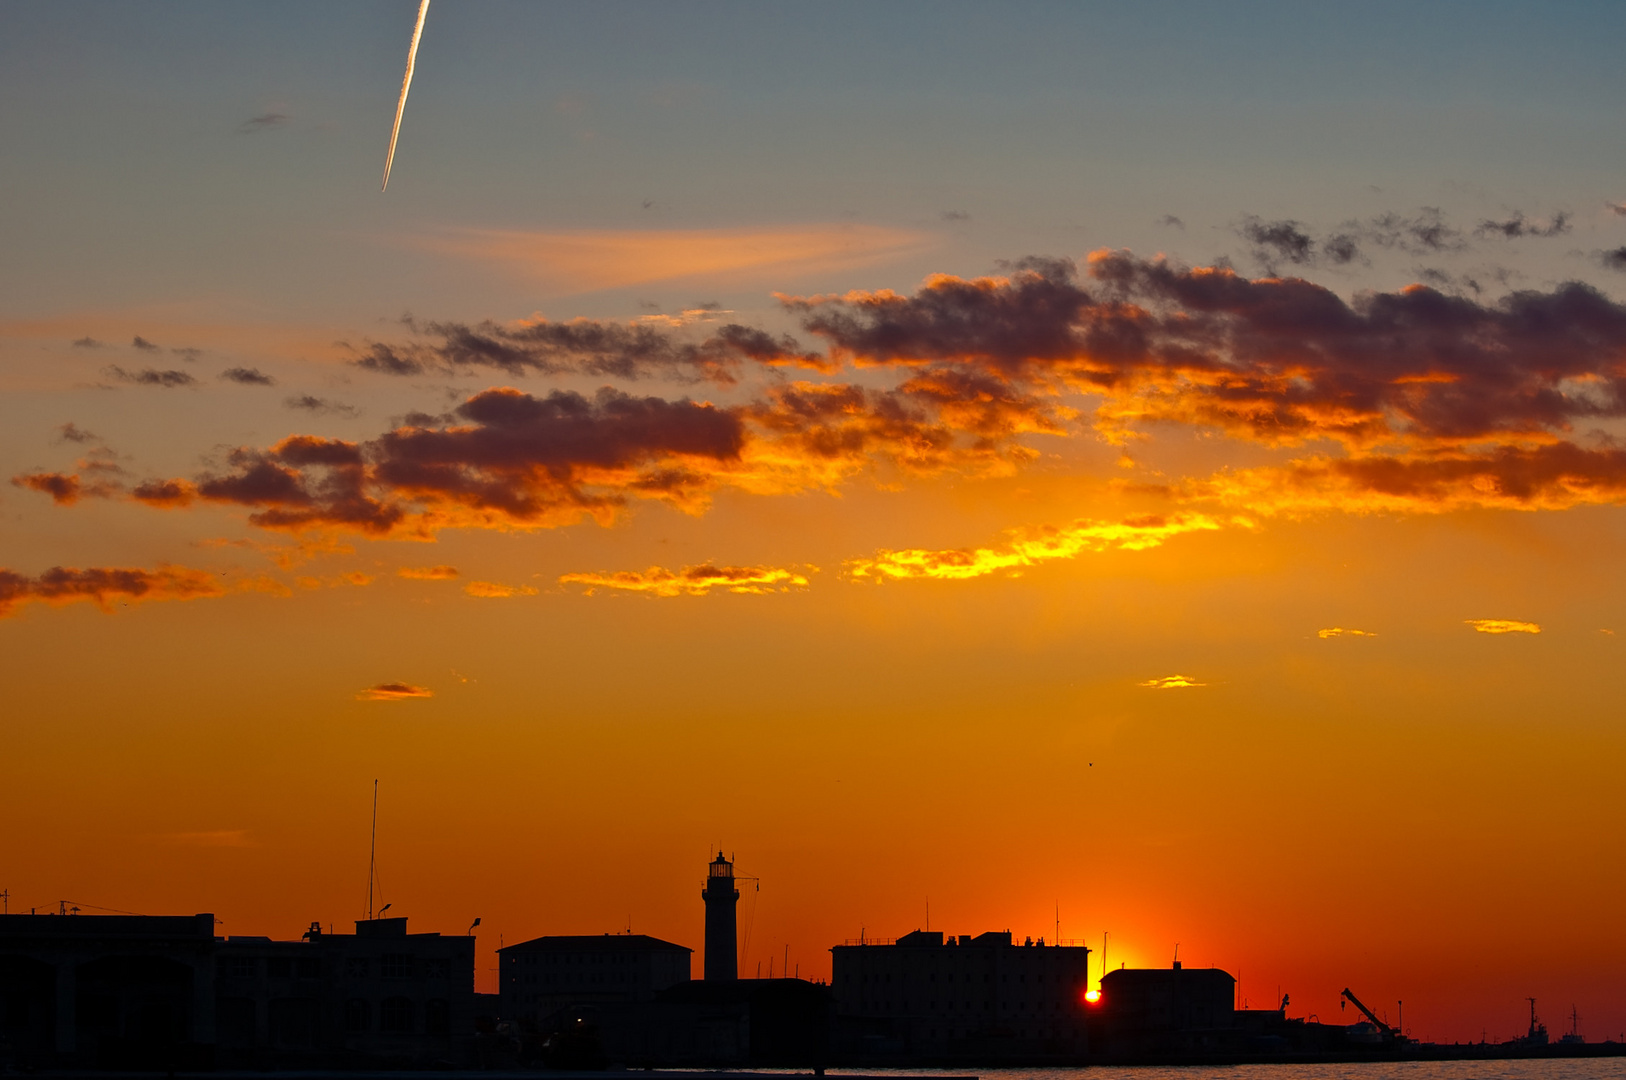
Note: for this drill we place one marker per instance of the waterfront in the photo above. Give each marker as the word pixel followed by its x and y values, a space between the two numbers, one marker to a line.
pixel 1514 1069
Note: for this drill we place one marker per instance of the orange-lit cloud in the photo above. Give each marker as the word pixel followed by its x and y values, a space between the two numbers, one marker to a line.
pixel 1171 682
pixel 428 573
pixel 692 580
pixel 332 581
pixel 1028 547
pixel 590 260
pixel 103 585
pixel 1339 631
pixel 1503 626
pixel 492 590
pixel 394 691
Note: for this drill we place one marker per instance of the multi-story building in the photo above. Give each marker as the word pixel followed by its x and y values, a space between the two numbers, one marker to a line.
pixel 543 975
pixel 380 993
pixel 1168 1009
pixel 123 991
pixel 926 996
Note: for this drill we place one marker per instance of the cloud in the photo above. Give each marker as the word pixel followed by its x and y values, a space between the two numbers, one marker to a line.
pixel 164 494
pixel 152 377
pixel 1503 626
pixel 1280 240
pixel 263 122
pixel 334 581
pixel 954 217
pixel 1413 379
pixel 87 343
pixel 394 691
pixel 61 585
pixel 248 376
pixel 1339 631
pixel 1614 259
pixel 320 406
pixel 1170 221
pixel 1518 225
pixel 692 580
pixel 491 590
pixel 1171 682
pixel 69 432
pixel 143 344
pixel 1618 208
pixel 592 260
pixel 63 489
pixel 1028 547
pixel 428 573
pixel 1425 233
pixel 622 350
pixel 1412 400
pixel 187 353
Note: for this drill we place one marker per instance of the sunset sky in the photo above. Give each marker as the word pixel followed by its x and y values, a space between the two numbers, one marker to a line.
pixel 1155 467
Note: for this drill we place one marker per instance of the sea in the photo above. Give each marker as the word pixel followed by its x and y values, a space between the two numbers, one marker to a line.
pixel 1518 1069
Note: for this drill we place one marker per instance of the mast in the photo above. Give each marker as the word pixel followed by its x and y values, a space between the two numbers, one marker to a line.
pixel 372 855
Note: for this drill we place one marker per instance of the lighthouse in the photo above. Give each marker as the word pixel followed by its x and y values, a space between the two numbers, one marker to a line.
pixel 720 895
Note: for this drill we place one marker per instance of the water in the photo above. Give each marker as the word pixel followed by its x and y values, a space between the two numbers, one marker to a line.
pixel 1527 1069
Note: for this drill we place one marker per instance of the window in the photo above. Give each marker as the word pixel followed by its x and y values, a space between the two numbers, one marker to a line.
pixel 358 1014
pixel 395 1015
pixel 237 967
pixel 437 1016
pixel 310 967
pixel 279 967
pixel 441 968
pixel 355 967
pixel 395 966
pixel 235 1020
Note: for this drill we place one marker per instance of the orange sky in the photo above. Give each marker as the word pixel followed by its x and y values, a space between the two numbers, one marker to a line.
pixel 1194 517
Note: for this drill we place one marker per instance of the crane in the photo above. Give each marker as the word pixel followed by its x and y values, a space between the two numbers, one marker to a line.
pixel 1388 1032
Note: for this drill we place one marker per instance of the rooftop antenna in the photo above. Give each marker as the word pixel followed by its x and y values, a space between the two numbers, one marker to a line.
pixel 5 902
pixel 372 855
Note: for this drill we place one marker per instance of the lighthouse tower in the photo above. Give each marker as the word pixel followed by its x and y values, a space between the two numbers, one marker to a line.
pixel 720 895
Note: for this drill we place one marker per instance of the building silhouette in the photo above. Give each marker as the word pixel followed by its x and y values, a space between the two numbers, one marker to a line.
pixel 721 897
pixel 927 997
pixel 546 974
pixel 162 992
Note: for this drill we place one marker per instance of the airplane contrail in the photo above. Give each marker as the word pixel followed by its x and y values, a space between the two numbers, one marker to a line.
pixel 406 84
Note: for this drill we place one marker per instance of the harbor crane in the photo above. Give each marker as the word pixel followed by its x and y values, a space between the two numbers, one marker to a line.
pixel 1388 1032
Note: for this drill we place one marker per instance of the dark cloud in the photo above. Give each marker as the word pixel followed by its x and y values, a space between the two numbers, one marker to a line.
pixel 248 376
pixel 1275 241
pixel 63 489
pixel 1423 233
pixel 152 377
pixel 1618 208
pixel 1275 361
pixel 320 406
pixel 102 584
pixel 1171 221
pixel 188 353
pixel 1615 259
pixel 70 432
pixel 620 350
pixel 87 343
pixel 164 493
pixel 143 344
pixel 954 216
pixel 1518 225
pixel 263 122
